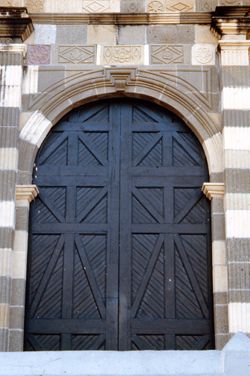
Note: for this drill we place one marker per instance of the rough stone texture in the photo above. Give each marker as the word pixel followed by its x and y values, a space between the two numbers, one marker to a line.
pixel 38 54
pixel 71 34
pixel 102 34
pixel 170 34
pixel 132 35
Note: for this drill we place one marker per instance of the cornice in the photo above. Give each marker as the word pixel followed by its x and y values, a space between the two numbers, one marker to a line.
pixel 15 23
pixel 231 20
pixel 212 190
pixel 26 192
pixel 123 18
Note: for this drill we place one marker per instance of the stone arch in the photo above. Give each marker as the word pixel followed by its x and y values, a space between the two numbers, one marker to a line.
pixel 164 88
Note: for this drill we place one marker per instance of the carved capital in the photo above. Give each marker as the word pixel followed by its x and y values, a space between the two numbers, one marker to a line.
pixel 212 190
pixel 15 23
pixel 26 192
pixel 231 20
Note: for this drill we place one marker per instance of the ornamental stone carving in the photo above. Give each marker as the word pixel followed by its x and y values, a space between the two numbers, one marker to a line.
pixel 156 6
pixel 38 54
pixel 76 54
pixel 168 54
pixel 123 55
pixel 203 54
pixel 99 6
pixel 204 5
pixel 179 6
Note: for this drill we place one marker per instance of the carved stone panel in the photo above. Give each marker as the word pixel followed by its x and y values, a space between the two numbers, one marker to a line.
pixel 166 54
pixel 76 54
pixel 99 6
pixel 203 5
pixel 161 6
pixel 132 6
pixel 123 55
pixel 38 54
pixel 203 54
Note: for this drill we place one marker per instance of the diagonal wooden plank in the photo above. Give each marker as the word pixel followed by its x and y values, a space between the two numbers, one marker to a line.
pixel 54 146
pixel 147 206
pixel 147 149
pixel 196 196
pixel 34 343
pixel 92 149
pixel 138 342
pixel 45 280
pixel 201 343
pixel 50 206
pixel 91 205
pixel 192 152
pixel 192 277
pixel 89 274
pixel 148 273
pixel 99 341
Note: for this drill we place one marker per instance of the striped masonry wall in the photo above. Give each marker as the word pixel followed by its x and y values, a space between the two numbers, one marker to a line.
pixel 235 78
pixel 10 101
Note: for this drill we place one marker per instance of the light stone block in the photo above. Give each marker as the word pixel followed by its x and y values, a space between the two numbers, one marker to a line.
pixel 219 252
pixel 237 159
pixel 237 223
pixel 19 261
pixel 237 138
pixel 36 128
pixel 213 149
pixel 34 6
pixel 237 201
pixel 203 34
pixel 100 6
pixel 238 315
pixel 203 54
pixel 122 55
pixel 220 278
pixel 8 159
pixel 20 241
pixel 7 217
pixel 236 98
pixel 63 6
pixel 11 75
pixel 5 261
pixel 102 34
pixel 30 80
pixel 45 34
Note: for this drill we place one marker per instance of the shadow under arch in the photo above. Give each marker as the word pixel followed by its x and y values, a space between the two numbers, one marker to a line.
pixel 165 89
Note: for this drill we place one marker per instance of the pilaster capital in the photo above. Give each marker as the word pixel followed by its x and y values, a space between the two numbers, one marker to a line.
pixel 15 22
pixel 212 190
pixel 26 192
pixel 233 20
pixel 14 48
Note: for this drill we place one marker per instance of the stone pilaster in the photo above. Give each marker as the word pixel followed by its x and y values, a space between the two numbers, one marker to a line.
pixel 24 195
pixel 11 60
pixel 215 193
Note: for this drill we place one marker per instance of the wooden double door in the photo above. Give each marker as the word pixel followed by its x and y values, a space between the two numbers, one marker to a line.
pixel 119 249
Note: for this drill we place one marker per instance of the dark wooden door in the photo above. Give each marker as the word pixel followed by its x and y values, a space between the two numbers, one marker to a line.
pixel 119 254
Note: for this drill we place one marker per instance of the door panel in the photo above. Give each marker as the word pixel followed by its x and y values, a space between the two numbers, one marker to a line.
pixel 119 254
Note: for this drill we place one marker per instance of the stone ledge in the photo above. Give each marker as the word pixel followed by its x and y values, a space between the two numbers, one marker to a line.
pixel 26 192
pixel 212 190
pixel 233 20
pixel 201 18
pixel 15 23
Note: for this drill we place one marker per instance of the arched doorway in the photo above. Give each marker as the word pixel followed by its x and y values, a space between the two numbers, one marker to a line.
pixel 119 254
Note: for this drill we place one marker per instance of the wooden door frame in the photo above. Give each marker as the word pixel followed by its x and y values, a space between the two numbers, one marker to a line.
pixel 109 83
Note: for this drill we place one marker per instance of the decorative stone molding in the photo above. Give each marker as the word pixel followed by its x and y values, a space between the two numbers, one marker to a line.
pixel 212 190
pixel 231 20
pixel 26 192
pixel 234 52
pixel 15 48
pixel 15 23
pixel 199 18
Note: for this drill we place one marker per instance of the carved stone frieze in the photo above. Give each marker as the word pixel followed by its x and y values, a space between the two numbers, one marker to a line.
pixel 38 54
pixel 166 54
pixel 77 54
pixel 164 6
pixel 100 6
pixel 203 5
pixel 123 55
